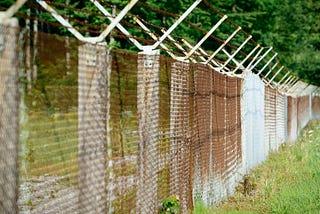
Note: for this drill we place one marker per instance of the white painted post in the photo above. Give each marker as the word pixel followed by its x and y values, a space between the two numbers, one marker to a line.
pixel 206 36
pixel 245 59
pixel 148 122
pixel 270 60
pixel 153 36
pixel 290 83
pixel 236 52
pixel 9 114
pixel 111 175
pixel 92 127
pixel 283 78
pixel 284 85
pixel 119 26
pixel 259 59
pixel 256 56
pixel 271 69
pixel 274 76
pixel 181 18
pixel 222 45
pixel 64 22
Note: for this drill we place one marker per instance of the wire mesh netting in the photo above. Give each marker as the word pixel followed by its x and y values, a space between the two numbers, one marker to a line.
pixel 281 119
pixel 292 114
pixel 79 150
pixel 270 118
pixel 107 130
pixel 217 131
pixel 84 150
pixel 303 109
pixel 316 107
pixel 300 111
pixel 9 112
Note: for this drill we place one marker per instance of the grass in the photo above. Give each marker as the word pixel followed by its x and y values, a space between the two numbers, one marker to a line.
pixel 288 182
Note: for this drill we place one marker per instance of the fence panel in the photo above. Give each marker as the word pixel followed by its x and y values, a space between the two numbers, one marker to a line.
pixel 292 119
pixel 122 144
pixel 180 141
pixel 49 128
pixel 280 119
pixel 233 151
pixel 9 111
pixel 217 127
pixel 303 110
pixel 157 127
pixel 202 130
pixel 316 106
pixel 270 119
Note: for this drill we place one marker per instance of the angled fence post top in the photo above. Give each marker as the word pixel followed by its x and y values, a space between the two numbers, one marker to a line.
pixel 76 33
pixel 206 36
pixel 181 18
pixel 12 10
pixel 194 52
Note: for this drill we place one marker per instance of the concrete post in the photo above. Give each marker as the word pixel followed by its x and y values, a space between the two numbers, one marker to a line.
pixel 148 119
pixel 92 127
pixel 180 171
pixel 9 115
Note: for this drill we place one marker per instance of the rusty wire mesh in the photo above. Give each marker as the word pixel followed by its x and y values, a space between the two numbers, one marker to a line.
pixel 292 114
pixel 316 107
pixel 82 134
pixel 303 110
pixel 300 111
pixel 281 119
pixel 217 127
pixel 270 118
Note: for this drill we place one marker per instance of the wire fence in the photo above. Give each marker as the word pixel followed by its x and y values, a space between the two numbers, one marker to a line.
pixel 9 112
pixel 86 128
pixel 114 131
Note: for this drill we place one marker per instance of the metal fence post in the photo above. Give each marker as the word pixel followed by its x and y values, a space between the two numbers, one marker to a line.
pixel 92 127
pixel 9 115
pixel 148 122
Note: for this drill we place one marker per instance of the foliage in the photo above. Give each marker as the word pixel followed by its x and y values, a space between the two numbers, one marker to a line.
pixel 170 205
pixel 292 27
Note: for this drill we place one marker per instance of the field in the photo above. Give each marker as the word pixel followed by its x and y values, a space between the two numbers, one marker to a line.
pixel 288 182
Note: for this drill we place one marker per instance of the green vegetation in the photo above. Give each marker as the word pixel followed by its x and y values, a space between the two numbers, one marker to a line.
pixel 288 182
pixel 291 26
pixel 51 146
pixel 125 202
pixel 170 205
